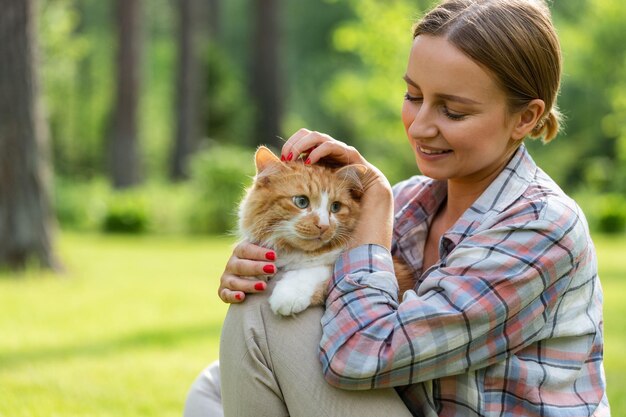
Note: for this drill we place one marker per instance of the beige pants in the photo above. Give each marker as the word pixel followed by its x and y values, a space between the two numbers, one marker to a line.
pixel 269 366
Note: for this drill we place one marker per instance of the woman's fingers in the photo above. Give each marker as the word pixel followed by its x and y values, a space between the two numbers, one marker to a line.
pixel 233 289
pixel 248 268
pixel 289 152
pixel 246 271
pixel 245 250
pixel 337 151
pixel 317 146
pixel 251 260
pixel 303 141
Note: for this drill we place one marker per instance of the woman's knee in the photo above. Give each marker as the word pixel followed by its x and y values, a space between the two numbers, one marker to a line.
pixel 204 397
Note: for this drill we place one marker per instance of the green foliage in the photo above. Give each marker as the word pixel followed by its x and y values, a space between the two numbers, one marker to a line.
pixel 65 51
pixel 612 214
pixel 228 115
pixel 219 175
pixel 126 212
pixel 369 97
pixel 84 205
pixel 606 213
pixel 592 97
pixel 80 205
pixel 342 63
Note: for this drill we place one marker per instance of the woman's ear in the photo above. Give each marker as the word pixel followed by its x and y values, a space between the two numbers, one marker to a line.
pixel 528 119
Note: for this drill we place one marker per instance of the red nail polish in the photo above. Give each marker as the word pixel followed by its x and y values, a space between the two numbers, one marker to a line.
pixel 238 296
pixel 290 156
pixel 259 286
pixel 269 269
pixel 308 161
pixel 270 256
pixel 282 158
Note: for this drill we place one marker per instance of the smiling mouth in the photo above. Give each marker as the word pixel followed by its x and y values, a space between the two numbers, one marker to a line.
pixel 433 151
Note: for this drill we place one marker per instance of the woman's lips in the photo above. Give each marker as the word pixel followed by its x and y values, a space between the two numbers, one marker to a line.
pixel 432 152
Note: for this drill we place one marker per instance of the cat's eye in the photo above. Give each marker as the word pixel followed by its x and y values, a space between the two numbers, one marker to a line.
pixel 301 201
pixel 335 207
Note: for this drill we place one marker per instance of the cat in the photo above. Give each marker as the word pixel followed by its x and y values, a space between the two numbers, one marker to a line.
pixel 306 214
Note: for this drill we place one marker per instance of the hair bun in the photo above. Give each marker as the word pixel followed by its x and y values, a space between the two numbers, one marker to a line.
pixel 548 126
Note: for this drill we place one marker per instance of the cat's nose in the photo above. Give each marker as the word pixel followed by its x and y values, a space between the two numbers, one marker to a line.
pixel 322 227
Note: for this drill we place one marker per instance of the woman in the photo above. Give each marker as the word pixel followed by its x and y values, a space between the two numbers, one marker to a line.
pixel 506 316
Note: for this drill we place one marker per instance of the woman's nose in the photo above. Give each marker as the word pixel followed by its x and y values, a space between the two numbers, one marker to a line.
pixel 423 123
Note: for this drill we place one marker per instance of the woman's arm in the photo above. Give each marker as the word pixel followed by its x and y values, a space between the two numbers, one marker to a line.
pixel 495 294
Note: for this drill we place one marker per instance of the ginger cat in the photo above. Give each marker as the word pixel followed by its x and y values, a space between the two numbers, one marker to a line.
pixel 306 214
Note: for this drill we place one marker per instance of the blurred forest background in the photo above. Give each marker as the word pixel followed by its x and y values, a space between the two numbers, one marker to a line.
pixel 127 130
pixel 152 109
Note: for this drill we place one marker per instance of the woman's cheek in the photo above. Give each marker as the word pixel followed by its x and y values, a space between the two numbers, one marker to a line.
pixel 408 115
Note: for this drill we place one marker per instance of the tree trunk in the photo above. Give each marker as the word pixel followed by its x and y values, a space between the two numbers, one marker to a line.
pixel 26 220
pixel 213 9
pixel 187 88
pixel 265 72
pixel 124 163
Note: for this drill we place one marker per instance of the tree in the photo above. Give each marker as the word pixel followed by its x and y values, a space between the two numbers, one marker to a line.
pixel 26 222
pixel 265 72
pixel 124 164
pixel 187 88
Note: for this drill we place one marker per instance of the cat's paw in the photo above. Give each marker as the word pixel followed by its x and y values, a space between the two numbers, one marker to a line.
pixel 286 301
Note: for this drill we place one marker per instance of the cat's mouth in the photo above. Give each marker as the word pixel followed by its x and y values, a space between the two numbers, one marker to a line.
pixel 313 242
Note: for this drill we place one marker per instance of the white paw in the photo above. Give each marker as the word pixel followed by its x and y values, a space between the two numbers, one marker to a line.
pixel 287 300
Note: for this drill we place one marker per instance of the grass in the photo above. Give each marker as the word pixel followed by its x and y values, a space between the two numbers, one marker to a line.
pixel 611 251
pixel 135 319
pixel 123 334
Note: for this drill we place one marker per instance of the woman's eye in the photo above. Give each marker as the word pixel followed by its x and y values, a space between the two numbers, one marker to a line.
pixel 301 201
pixel 335 207
pixel 409 97
pixel 452 115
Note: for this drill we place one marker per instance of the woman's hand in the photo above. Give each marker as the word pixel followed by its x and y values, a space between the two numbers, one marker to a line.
pixel 376 221
pixel 246 272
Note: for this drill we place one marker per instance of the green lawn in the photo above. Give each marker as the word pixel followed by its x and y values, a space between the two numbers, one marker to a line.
pixel 123 334
pixel 135 319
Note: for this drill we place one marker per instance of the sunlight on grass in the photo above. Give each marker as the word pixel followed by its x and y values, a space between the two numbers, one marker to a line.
pixel 123 333
pixel 135 319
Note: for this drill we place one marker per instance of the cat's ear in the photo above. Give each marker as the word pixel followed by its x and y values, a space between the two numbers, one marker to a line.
pixel 264 158
pixel 354 175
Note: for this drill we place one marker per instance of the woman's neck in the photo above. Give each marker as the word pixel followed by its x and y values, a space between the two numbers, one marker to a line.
pixel 463 193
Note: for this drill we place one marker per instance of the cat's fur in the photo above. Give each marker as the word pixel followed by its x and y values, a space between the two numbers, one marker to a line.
pixel 307 240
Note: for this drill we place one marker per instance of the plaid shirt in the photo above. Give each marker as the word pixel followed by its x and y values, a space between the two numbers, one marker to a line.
pixel 507 323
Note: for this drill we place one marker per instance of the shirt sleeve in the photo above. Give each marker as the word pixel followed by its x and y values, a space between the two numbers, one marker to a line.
pixel 491 297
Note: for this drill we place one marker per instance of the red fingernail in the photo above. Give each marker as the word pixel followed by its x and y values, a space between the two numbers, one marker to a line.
pixel 270 269
pixel 290 156
pixel 282 158
pixel 238 296
pixel 308 161
pixel 259 286
pixel 270 256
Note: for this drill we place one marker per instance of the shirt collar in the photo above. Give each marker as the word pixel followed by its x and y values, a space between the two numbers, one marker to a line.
pixel 508 186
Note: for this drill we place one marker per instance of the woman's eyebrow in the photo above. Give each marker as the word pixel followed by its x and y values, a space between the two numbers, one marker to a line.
pixel 409 81
pixel 449 97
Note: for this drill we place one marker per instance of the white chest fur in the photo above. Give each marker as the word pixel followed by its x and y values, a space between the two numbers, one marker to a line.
pixel 301 281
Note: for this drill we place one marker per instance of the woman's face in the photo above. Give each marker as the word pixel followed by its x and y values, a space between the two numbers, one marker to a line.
pixel 455 115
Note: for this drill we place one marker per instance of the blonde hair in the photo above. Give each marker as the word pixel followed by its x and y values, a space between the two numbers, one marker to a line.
pixel 515 40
